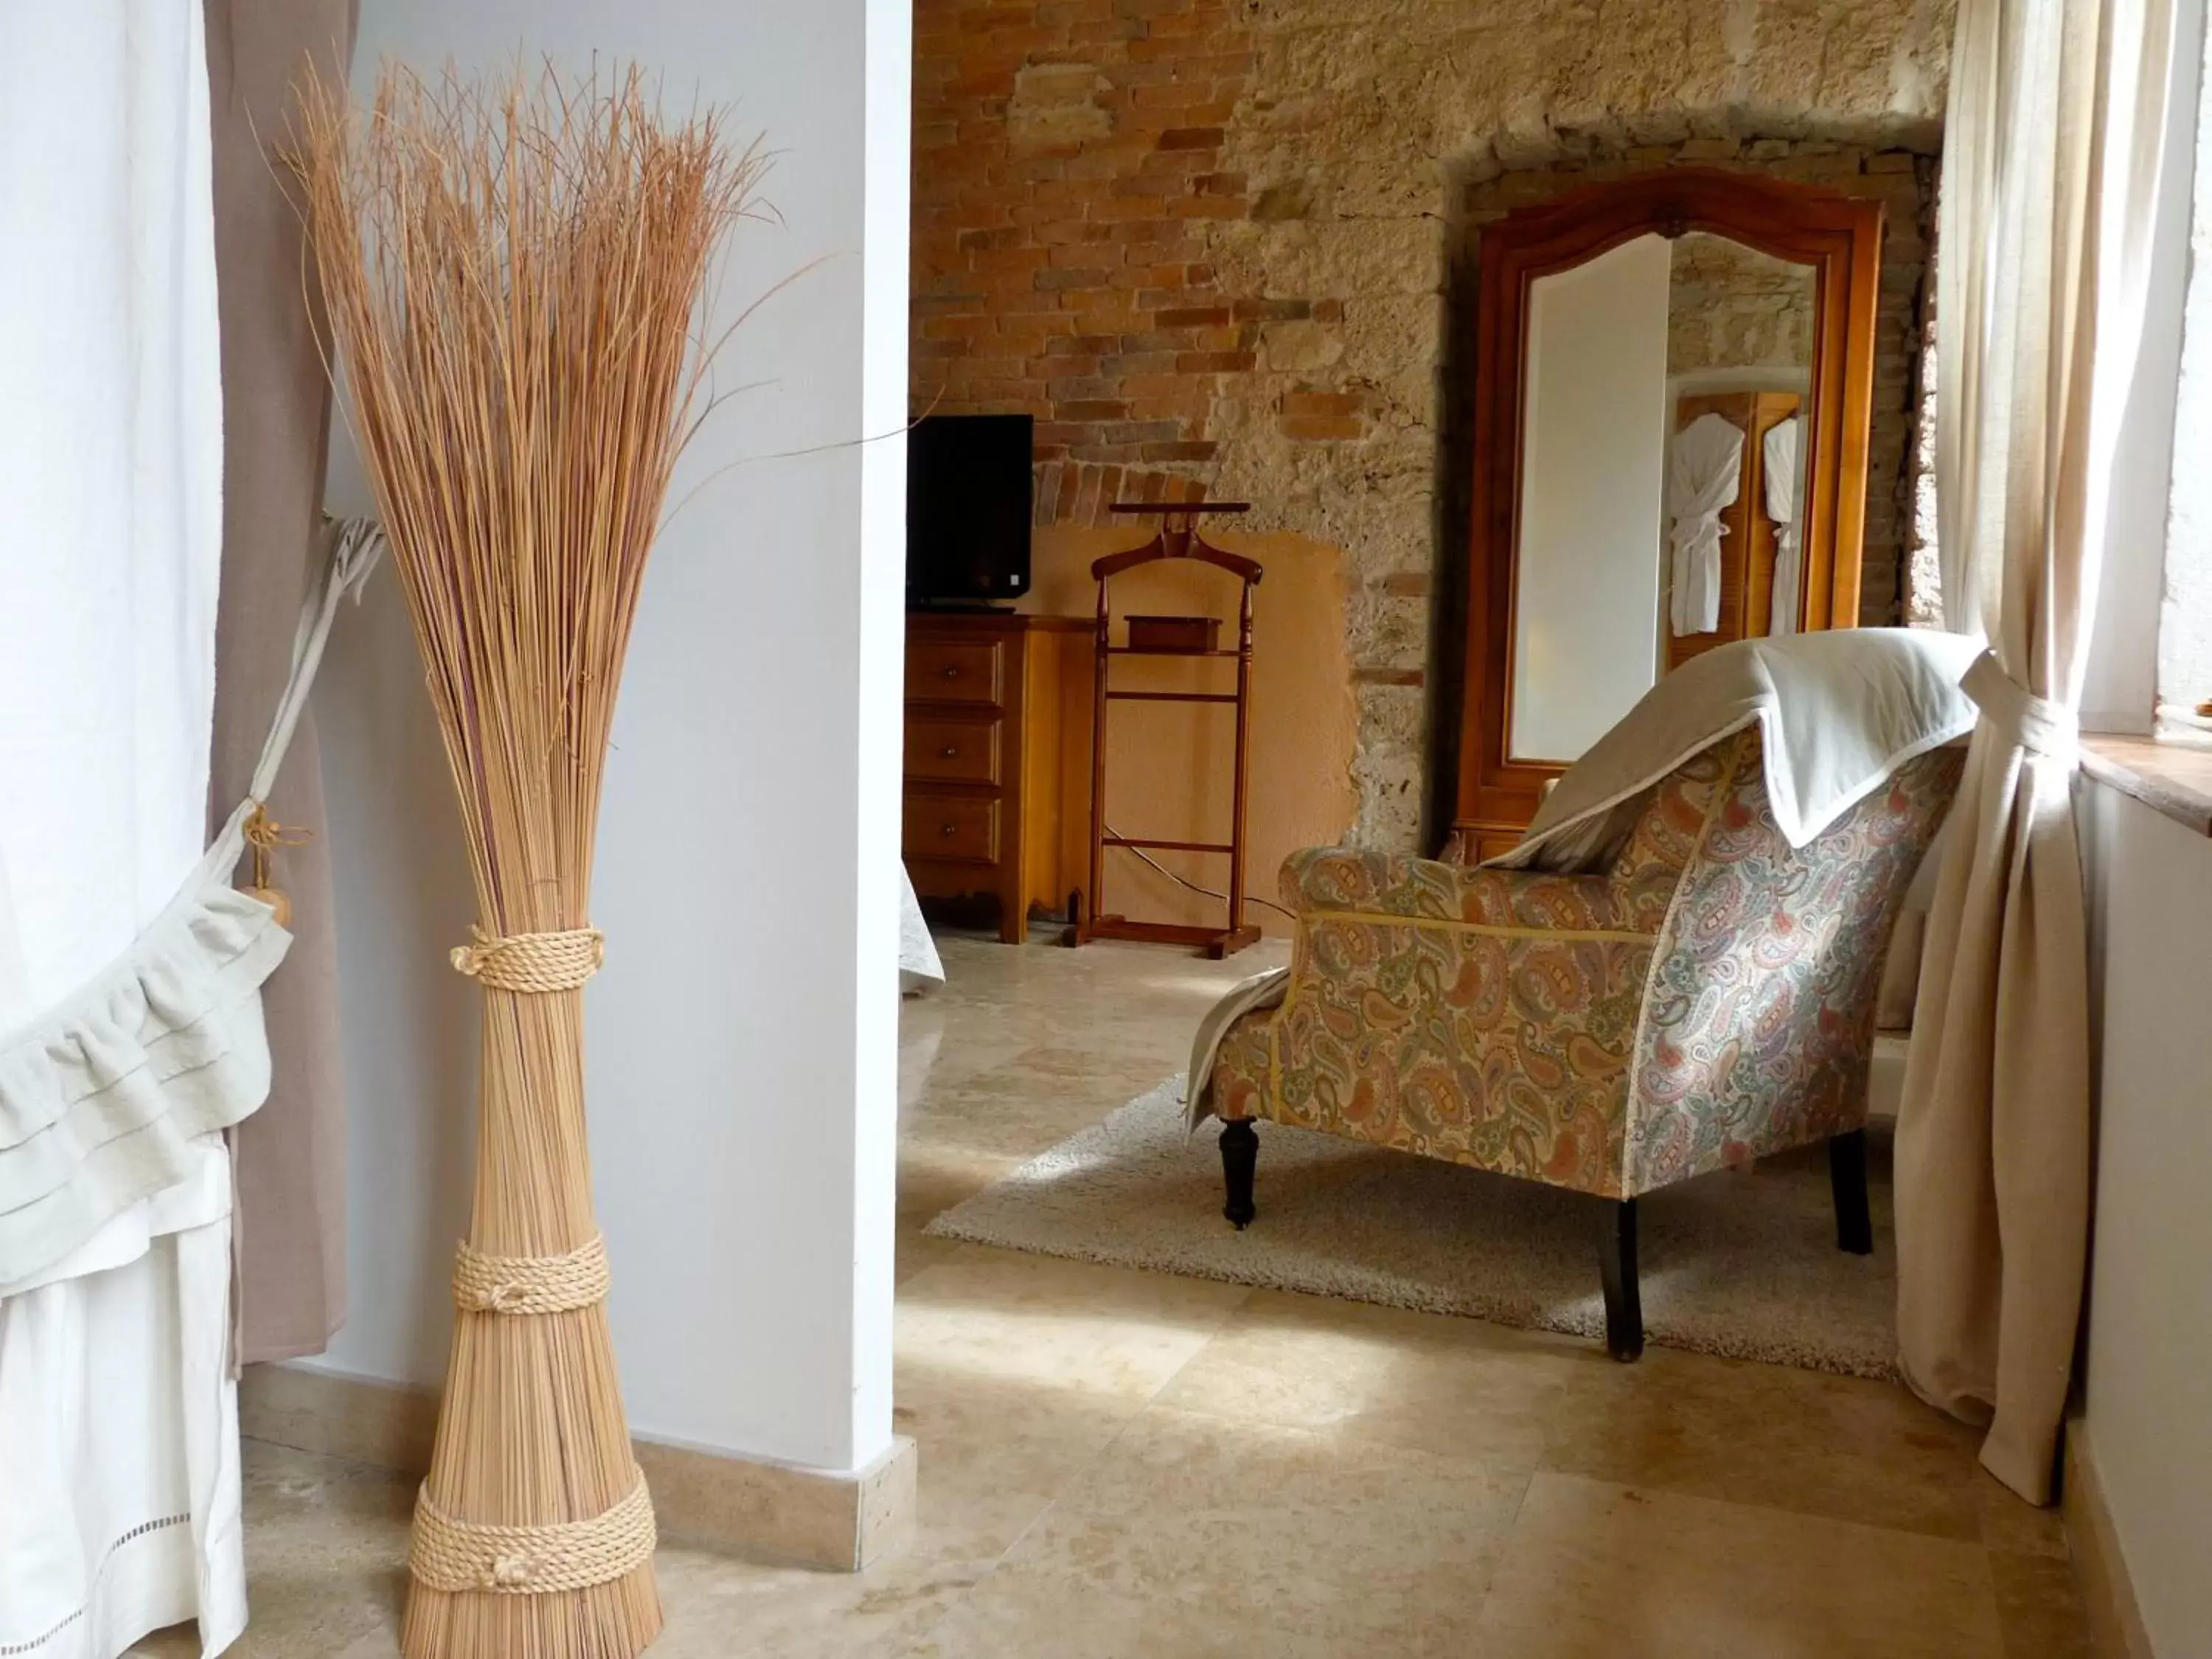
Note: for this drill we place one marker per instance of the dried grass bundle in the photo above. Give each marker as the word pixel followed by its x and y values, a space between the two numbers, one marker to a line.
pixel 511 270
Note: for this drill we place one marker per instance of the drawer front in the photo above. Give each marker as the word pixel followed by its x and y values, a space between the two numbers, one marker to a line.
pixel 945 751
pixel 952 829
pixel 954 671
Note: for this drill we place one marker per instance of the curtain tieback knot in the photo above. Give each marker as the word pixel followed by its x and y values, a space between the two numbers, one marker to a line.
pixel 2041 725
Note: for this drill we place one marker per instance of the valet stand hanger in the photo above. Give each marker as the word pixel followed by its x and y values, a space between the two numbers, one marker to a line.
pixel 1179 537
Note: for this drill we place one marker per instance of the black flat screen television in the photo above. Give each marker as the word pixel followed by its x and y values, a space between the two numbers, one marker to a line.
pixel 968 503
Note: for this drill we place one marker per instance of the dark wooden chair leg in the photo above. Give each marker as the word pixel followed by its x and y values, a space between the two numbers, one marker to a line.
pixel 1616 1256
pixel 1847 1176
pixel 1240 1156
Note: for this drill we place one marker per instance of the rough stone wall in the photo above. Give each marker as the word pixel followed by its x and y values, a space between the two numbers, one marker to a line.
pixel 1220 243
pixel 1922 576
pixel 1732 307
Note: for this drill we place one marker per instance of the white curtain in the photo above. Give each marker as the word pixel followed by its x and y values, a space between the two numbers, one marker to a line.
pixel 2051 161
pixel 1781 451
pixel 1705 475
pixel 119 1460
pixel 110 471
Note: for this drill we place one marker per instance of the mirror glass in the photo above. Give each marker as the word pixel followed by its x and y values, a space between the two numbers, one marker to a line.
pixel 1662 469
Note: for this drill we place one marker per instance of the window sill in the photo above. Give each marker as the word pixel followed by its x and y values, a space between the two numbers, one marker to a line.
pixel 2172 778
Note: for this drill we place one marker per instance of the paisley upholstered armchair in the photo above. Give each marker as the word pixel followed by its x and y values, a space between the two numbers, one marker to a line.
pixel 1708 999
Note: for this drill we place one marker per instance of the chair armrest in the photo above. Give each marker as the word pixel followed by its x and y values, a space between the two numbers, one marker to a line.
pixel 1349 881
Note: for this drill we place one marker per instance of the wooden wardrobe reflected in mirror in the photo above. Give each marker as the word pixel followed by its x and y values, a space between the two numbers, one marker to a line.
pixel 1673 384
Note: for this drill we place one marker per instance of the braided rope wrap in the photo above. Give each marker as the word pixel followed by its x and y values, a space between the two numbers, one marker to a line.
pixel 531 1283
pixel 534 962
pixel 447 1553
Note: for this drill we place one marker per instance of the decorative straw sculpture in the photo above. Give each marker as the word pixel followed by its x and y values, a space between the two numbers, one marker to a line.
pixel 511 270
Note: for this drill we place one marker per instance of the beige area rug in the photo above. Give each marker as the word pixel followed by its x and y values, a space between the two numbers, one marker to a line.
pixel 1740 1264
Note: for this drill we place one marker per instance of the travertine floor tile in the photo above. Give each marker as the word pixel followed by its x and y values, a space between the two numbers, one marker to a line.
pixel 1016 1372
pixel 2010 1523
pixel 1840 1447
pixel 1013 1113
pixel 938 1176
pixel 1346 1369
pixel 1044 1618
pixel 917 1250
pixel 720 1608
pixel 1595 1568
pixel 1117 1465
pixel 1193 1529
pixel 2039 1606
pixel 1106 1331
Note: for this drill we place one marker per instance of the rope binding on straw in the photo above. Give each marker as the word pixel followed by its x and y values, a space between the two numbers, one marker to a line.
pixel 535 963
pixel 446 1552
pixel 484 1283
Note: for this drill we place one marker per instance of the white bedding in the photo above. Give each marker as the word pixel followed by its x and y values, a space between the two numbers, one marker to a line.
pixel 119 1493
pixel 919 966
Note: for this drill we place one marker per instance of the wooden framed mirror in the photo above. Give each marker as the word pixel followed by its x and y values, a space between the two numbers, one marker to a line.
pixel 1673 386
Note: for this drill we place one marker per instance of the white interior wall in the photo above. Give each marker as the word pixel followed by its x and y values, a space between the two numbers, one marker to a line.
pixel 741 1042
pixel 1585 643
pixel 2149 1349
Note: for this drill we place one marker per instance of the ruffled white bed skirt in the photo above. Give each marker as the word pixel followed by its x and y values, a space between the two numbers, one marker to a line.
pixel 919 967
pixel 119 1491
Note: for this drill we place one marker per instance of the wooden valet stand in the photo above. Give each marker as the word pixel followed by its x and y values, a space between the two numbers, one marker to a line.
pixel 1178 538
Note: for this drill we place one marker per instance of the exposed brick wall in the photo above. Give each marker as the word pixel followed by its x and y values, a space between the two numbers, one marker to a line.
pixel 1216 245
pixel 1066 161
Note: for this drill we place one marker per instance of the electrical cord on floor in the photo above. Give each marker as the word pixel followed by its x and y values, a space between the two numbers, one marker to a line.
pixel 1182 881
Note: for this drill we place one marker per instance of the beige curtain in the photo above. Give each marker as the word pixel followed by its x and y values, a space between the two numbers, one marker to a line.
pixel 289 1156
pixel 2052 158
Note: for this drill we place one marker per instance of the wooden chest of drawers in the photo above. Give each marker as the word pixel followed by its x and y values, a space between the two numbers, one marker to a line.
pixel 998 759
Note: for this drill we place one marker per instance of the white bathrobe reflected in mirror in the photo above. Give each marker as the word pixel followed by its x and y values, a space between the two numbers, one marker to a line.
pixel 1783 445
pixel 1705 474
